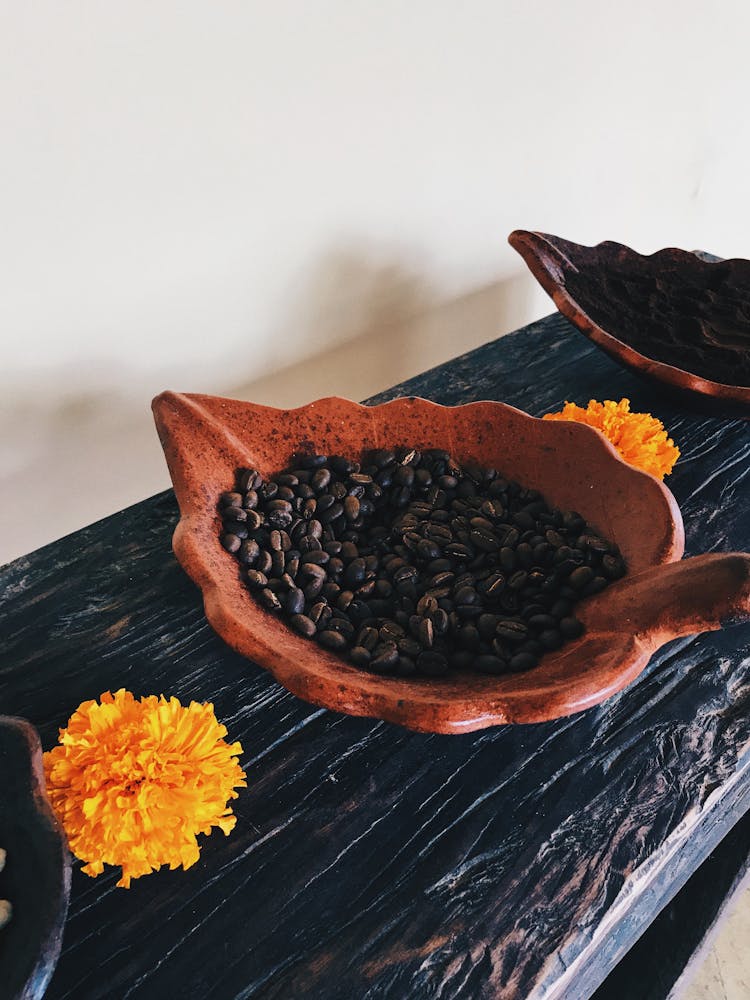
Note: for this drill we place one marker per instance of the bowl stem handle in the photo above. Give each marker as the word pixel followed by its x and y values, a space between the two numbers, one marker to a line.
pixel 700 594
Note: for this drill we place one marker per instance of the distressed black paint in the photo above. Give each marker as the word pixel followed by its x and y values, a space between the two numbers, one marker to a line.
pixel 369 861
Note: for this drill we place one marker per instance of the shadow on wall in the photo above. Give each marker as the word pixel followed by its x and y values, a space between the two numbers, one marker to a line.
pixel 373 323
pixel 377 325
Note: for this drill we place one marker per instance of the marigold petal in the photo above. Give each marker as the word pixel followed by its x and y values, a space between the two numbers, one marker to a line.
pixel 640 438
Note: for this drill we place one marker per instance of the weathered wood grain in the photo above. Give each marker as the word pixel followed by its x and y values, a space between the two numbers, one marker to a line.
pixel 369 861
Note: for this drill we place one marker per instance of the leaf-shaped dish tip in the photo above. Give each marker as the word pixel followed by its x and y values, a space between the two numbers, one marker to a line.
pixel 672 316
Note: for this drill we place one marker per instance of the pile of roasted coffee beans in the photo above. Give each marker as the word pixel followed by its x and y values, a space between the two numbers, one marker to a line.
pixel 408 563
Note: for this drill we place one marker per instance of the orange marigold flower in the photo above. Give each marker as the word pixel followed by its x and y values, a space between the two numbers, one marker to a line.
pixel 134 781
pixel 640 438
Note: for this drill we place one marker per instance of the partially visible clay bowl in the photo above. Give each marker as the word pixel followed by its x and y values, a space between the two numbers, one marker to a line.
pixel 206 439
pixel 671 316
pixel 36 878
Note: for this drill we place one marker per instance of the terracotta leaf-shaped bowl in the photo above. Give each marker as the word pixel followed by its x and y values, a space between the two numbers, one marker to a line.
pixel 206 439
pixel 36 877
pixel 671 316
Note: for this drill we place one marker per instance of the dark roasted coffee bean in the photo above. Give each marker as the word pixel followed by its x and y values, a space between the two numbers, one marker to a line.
pixel 487 625
pixel 550 638
pixel 302 624
pixel 593 542
pixel 331 513
pixel 354 574
pixel 313 587
pixel 274 540
pixel 580 577
pixel 264 562
pixel 465 595
pixel 351 508
pixel 525 555
pixel 309 461
pixel 368 637
pixel 342 625
pixel 521 662
pixel 317 610
pixel 408 646
pixel 231 542
pixel 320 480
pixel 571 628
pixel 432 663
pixel 507 559
pixel 249 479
pixel 255 579
pixel 518 580
pixel 331 639
pixel 542 621
pixel 248 552
pixel 318 557
pixel 359 656
pixel 294 602
pixel 238 528
pixel 461 659
pixel 231 499
pixel 269 600
pixel 426 633
pixel 344 599
pixel 426 605
pixel 278 563
pixel 485 541
pixel 469 637
pixel 489 664
pixel 384 658
pixel 511 630
pixel 406 666
pixel 234 514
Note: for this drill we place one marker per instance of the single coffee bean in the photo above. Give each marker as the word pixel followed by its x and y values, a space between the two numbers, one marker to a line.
pixel 489 664
pixel 426 633
pixel 580 577
pixel 310 461
pixel 317 610
pixel 294 602
pixel 551 638
pixel 571 628
pixel 521 662
pixel 542 621
pixel 351 508
pixel 511 630
pixel 360 656
pixel 302 624
pixel 331 639
pixel 316 557
pixel 231 542
pixel 384 658
pixel 432 663
pixel 270 600
pixel 342 625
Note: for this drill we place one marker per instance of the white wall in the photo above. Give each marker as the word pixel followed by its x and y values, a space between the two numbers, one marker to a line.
pixel 197 195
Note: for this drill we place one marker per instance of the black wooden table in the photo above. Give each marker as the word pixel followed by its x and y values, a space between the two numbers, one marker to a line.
pixel 369 861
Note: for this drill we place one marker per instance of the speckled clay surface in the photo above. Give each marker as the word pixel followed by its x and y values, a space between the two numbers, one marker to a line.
pixel 206 439
pixel 672 316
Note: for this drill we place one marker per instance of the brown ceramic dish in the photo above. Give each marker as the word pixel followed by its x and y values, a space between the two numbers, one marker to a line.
pixel 206 439
pixel 672 316
pixel 36 877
